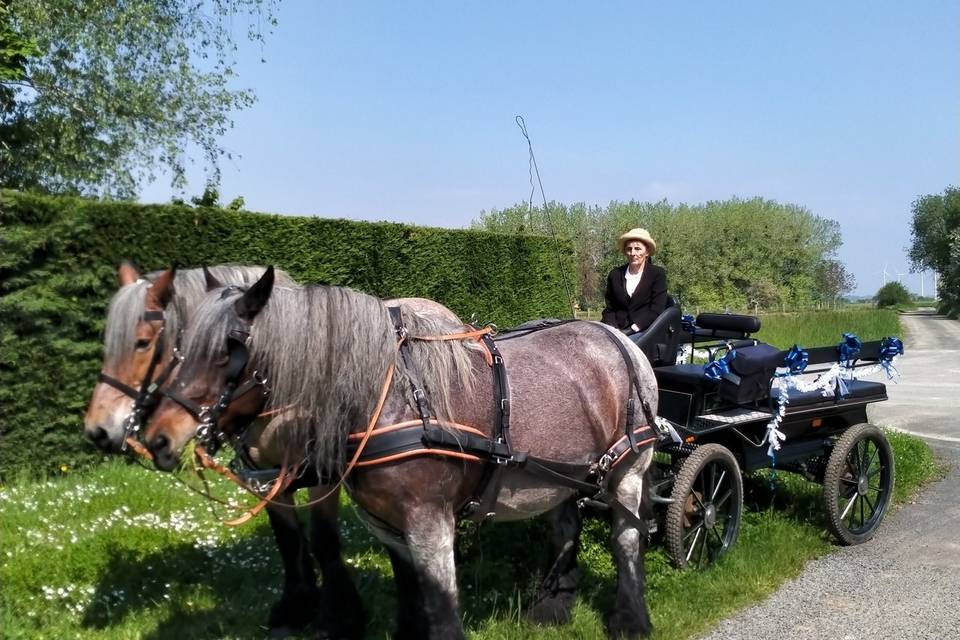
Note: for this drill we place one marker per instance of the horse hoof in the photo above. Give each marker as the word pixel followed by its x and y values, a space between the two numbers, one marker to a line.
pixel 552 610
pixel 629 625
pixel 293 612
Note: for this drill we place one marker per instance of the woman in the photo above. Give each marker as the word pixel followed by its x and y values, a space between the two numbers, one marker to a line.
pixel 636 292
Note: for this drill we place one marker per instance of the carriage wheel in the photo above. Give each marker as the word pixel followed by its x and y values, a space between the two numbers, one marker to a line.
pixel 858 483
pixel 704 518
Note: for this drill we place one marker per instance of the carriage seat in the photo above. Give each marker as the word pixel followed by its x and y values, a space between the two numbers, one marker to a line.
pixel 857 390
pixel 662 338
pixel 684 377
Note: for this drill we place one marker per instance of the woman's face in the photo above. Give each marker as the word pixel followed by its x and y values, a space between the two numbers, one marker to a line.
pixel 636 253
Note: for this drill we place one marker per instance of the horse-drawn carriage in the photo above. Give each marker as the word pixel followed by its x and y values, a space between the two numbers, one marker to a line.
pixel 320 362
pixel 725 420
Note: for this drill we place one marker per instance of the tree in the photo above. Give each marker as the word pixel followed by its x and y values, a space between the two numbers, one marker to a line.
pixel 95 95
pixel 833 280
pixel 892 294
pixel 935 229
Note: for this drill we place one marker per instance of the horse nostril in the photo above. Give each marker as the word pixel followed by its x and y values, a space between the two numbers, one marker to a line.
pixel 160 444
pixel 97 434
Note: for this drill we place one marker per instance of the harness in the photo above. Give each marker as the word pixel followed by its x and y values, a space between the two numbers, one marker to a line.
pixel 428 435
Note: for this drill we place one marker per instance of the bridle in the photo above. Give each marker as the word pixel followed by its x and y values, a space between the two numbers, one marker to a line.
pixel 238 350
pixel 146 397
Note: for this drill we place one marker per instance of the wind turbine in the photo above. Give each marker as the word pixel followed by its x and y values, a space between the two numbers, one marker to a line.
pixel 884 273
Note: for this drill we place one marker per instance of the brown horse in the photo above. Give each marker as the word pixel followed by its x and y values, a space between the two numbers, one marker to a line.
pixel 329 353
pixel 144 320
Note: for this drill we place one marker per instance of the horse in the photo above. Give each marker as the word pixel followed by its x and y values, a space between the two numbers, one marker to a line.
pixel 144 320
pixel 331 356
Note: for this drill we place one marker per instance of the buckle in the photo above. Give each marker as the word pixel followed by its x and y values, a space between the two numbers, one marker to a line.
pixel 605 463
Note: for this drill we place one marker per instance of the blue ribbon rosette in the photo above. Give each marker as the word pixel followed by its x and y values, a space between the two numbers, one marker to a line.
pixel 796 360
pixel 890 348
pixel 716 369
pixel 849 349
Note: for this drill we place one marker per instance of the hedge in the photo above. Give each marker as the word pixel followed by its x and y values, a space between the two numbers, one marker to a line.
pixel 58 260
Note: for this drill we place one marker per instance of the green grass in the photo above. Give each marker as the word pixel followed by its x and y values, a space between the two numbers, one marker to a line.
pixel 120 552
pixel 826 328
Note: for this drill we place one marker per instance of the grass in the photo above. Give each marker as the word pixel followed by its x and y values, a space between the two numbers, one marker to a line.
pixel 826 328
pixel 119 552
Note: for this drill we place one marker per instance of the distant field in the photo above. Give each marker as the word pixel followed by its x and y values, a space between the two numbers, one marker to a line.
pixel 823 328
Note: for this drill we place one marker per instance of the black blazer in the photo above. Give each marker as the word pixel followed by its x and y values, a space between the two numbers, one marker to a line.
pixel 648 301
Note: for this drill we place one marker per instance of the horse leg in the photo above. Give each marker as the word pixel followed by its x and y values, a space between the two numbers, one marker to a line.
pixel 341 611
pixel 430 538
pixel 295 609
pixel 630 617
pixel 411 623
pixel 557 592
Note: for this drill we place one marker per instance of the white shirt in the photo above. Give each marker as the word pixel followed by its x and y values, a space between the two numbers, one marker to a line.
pixel 633 279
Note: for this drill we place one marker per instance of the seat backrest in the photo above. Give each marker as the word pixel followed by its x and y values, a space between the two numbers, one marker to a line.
pixel 661 339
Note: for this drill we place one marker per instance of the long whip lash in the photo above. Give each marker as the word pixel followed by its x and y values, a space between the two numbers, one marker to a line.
pixel 533 168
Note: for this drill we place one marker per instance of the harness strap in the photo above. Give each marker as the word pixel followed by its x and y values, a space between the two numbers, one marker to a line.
pixel 116 384
pixel 419 394
pixel 635 383
pixel 484 503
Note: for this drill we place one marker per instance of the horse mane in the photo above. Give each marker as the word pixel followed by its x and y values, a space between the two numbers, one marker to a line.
pixel 332 347
pixel 127 305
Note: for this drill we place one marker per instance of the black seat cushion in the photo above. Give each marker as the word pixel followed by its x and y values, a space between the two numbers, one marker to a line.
pixel 857 389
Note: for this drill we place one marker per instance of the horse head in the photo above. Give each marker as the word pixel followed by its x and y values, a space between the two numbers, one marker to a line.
pixel 215 392
pixel 136 347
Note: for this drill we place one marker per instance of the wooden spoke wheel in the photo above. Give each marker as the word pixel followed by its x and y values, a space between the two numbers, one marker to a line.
pixel 858 483
pixel 704 518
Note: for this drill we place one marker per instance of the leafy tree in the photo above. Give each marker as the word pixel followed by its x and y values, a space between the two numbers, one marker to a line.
pixel 934 218
pixel 732 253
pixel 833 280
pixel 892 294
pixel 97 94
pixel 936 242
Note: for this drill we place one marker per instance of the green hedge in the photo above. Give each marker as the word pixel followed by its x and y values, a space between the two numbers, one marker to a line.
pixel 58 260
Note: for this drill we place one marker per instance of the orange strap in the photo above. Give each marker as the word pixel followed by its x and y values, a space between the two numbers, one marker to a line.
pixel 411 423
pixel 475 334
pixel 134 444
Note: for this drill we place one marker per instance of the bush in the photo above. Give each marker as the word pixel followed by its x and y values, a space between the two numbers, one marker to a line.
pixel 58 261
pixel 892 294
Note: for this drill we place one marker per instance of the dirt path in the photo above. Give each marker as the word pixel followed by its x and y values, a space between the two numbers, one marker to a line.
pixel 905 583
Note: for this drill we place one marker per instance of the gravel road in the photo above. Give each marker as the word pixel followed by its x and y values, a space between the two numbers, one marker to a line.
pixel 905 583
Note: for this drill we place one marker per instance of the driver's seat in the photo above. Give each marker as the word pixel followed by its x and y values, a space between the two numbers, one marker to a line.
pixel 662 338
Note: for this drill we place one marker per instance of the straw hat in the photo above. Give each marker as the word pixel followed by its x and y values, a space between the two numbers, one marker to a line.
pixel 637 234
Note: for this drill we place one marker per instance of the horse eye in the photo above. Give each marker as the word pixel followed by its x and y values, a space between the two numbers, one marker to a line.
pixel 222 360
pixel 142 344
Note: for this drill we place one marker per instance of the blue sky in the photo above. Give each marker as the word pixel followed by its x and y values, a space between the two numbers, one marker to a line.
pixel 405 111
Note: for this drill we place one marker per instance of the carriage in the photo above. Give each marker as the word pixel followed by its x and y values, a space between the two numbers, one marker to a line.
pixel 721 426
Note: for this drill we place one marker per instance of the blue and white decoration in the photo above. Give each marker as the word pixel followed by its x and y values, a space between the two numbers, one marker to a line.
pixel 829 382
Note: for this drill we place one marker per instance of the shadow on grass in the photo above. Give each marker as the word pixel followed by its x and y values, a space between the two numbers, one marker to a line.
pixel 199 591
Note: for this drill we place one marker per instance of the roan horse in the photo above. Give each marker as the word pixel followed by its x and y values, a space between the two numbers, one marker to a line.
pixel 330 353
pixel 144 321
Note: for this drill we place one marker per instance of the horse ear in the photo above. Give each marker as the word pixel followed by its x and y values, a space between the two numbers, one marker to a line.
pixel 160 292
pixel 127 274
pixel 254 298
pixel 211 280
